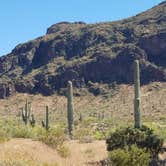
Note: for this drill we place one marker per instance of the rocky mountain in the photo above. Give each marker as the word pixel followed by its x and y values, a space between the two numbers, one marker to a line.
pixel 88 54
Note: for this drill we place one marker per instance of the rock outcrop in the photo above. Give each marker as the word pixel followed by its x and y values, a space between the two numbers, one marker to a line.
pixel 83 53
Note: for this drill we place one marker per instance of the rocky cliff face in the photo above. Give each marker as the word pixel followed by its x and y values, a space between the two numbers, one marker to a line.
pixel 88 53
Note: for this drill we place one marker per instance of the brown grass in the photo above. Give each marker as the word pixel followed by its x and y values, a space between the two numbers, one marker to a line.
pixel 34 151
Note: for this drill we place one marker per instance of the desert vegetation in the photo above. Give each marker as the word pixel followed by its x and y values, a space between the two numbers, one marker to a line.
pixel 91 125
pixel 74 96
pixel 135 144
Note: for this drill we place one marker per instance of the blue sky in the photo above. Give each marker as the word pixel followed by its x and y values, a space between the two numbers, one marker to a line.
pixel 23 20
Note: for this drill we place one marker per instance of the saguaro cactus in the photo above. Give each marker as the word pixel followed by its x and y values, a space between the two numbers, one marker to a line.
pixel 32 120
pixel 70 108
pixel 4 93
pixel 46 123
pixel 26 112
pixel 137 110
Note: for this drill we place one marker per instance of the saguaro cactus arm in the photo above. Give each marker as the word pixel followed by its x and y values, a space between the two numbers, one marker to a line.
pixel 46 123
pixel 32 120
pixel 47 118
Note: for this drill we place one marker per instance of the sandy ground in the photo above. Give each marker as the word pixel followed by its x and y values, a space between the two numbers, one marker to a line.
pixel 81 154
pixel 26 149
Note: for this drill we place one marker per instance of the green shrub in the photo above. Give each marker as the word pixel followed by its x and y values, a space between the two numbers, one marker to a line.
pixel 129 157
pixel 9 128
pixel 21 132
pixel 28 131
pixel 54 137
pixel 98 135
pixel 143 137
pixel 3 136
pixel 158 127
pixel 84 135
pixel 88 121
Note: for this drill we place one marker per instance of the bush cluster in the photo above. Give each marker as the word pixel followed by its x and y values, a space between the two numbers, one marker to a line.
pixel 133 146
pixel 53 137
pixel 143 137
pixel 129 157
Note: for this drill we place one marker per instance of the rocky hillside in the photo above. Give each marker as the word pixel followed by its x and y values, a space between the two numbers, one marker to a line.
pixel 88 54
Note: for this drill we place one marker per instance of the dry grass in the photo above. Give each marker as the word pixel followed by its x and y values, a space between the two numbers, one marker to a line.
pixel 38 153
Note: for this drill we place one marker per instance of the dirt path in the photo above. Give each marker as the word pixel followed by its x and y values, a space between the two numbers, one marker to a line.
pixel 26 149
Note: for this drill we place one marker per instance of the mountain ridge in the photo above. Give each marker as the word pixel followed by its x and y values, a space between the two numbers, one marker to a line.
pixel 87 54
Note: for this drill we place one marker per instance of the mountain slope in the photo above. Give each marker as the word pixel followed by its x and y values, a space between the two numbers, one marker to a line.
pixel 88 53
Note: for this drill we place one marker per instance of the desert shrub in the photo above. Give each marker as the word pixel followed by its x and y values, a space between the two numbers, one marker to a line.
pixel 54 137
pixel 9 128
pixel 37 132
pixel 12 128
pixel 21 132
pixel 6 128
pixel 63 151
pixel 28 131
pixel 143 137
pixel 159 128
pixel 98 135
pixel 124 157
pixel 3 136
pixel 88 121
pixel 84 135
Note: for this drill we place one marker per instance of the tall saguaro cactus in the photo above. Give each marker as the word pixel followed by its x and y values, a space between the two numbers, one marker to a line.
pixel 46 123
pixel 26 112
pixel 137 102
pixel 70 108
